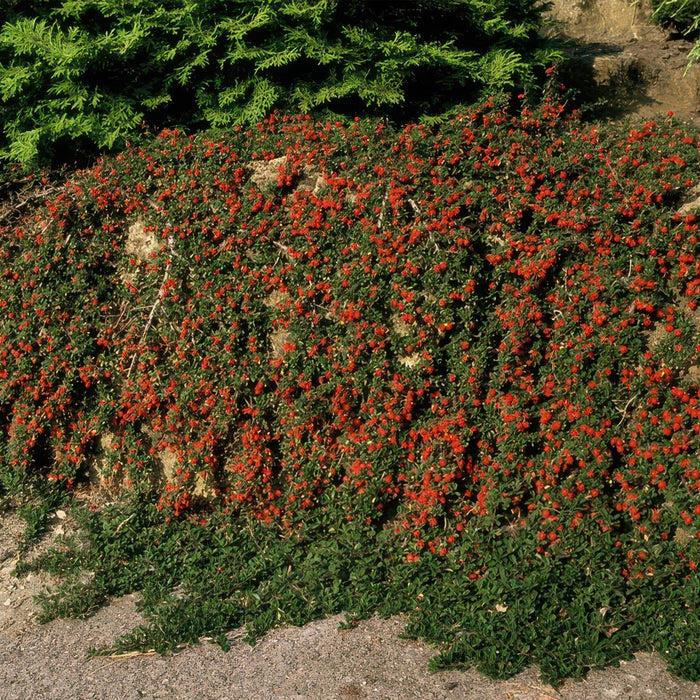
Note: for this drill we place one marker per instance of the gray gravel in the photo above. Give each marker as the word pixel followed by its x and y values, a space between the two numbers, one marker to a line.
pixel 316 661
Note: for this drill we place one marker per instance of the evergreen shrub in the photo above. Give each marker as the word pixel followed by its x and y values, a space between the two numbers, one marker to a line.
pixel 81 74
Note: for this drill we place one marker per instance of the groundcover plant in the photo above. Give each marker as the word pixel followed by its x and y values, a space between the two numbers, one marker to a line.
pixel 324 367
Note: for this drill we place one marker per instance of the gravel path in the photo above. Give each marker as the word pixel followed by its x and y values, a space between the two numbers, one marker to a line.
pixel 318 660
pixel 315 661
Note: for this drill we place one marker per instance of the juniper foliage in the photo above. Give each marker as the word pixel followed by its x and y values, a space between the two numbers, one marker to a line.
pixel 84 74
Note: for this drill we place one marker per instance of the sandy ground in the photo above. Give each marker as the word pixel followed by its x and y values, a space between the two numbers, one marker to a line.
pixel 315 661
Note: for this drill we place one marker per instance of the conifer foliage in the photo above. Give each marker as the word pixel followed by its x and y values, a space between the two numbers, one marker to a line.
pixel 86 73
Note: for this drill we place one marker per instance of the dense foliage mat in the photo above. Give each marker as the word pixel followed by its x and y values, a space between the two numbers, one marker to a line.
pixel 325 368
pixel 81 74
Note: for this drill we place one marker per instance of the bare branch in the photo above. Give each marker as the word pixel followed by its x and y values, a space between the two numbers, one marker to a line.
pixel 157 302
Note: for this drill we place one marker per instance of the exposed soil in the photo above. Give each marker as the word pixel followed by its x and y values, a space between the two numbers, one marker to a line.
pixel 632 68
pixel 624 63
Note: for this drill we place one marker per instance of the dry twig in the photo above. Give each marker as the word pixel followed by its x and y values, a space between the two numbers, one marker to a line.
pixel 157 302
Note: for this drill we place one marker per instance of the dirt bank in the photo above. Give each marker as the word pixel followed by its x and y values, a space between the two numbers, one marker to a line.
pixel 623 64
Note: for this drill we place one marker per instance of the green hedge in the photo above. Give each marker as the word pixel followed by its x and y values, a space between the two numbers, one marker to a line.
pixel 86 73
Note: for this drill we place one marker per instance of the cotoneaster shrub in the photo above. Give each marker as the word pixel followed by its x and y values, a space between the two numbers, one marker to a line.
pixel 83 74
pixel 452 373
